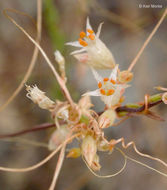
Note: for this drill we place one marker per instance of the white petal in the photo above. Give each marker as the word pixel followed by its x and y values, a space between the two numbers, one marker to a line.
pixel 78 51
pixel 99 30
pixel 75 44
pixel 113 74
pixel 96 75
pixel 107 100
pixel 88 26
pixel 92 93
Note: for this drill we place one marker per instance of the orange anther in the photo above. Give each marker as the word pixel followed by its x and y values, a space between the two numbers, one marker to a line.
pixel 113 81
pixel 82 34
pixel 105 79
pixel 82 42
pixel 99 85
pixel 102 91
pixel 110 92
pixel 91 36
pixel 90 31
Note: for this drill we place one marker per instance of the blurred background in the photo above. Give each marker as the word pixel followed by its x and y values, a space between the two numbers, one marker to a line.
pixel 126 27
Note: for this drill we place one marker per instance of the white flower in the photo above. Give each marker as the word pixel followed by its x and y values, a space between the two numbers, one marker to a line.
pixel 96 54
pixel 108 88
pixel 39 97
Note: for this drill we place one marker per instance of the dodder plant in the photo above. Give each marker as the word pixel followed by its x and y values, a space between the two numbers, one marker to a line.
pixel 78 120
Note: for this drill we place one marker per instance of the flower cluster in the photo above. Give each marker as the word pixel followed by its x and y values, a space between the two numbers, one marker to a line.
pixel 79 118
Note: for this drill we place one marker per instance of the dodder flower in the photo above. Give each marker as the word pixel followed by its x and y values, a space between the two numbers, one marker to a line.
pixel 108 88
pixel 39 97
pixel 96 54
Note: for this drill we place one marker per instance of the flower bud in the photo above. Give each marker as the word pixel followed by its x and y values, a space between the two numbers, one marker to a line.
pixel 59 58
pixel 58 137
pixel 39 97
pixel 125 76
pixel 107 118
pixel 61 62
pixel 89 149
pixel 74 153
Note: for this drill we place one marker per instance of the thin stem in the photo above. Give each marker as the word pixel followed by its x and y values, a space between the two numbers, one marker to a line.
pixel 34 56
pixel 59 79
pixel 34 129
pixel 147 41
pixel 125 146
pixel 26 141
pixel 145 165
pixel 58 168
pixel 110 175
pixel 140 107
pixel 43 161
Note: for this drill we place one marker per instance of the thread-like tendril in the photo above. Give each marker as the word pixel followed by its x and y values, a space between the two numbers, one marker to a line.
pixel 34 56
pixel 59 79
pixel 145 165
pixel 110 175
pixel 27 169
pixel 147 41
pixel 125 146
